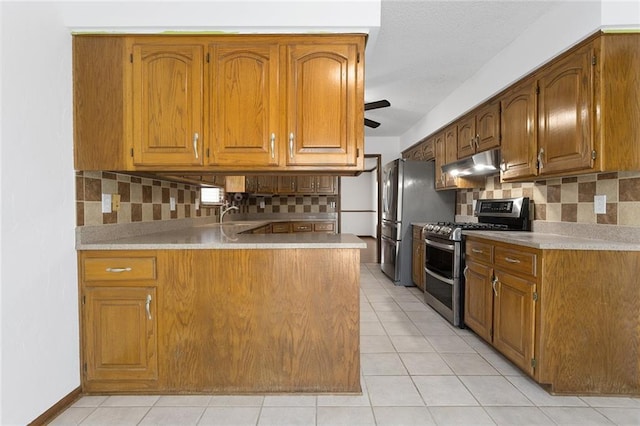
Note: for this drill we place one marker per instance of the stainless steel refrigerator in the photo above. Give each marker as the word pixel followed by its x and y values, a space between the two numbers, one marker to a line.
pixel 408 196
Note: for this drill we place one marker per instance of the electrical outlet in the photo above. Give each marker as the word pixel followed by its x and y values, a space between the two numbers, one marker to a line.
pixel 106 203
pixel 115 202
pixel 600 204
pixel 197 203
pixel 172 204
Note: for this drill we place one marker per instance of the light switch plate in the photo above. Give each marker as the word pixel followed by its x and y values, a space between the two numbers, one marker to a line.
pixel 197 203
pixel 172 204
pixel 106 203
pixel 600 204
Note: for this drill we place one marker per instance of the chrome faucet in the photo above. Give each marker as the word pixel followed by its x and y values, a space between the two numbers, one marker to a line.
pixel 226 208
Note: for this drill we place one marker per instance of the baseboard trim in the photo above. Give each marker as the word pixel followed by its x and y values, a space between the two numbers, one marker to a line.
pixel 57 408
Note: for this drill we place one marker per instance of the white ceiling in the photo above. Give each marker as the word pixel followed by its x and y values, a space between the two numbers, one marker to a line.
pixel 426 49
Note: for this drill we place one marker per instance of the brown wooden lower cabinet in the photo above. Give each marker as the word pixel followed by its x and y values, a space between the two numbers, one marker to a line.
pixel 417 261
pixel 567 318
pixel 222 321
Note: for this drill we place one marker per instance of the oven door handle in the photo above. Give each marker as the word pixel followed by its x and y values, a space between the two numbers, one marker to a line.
pixel 448 247
pixel 438 276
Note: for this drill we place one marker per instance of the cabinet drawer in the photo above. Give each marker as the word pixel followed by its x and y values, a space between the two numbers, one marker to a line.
pixel 324 227
pixel 119 268
pixel 302 227
pixel 481 252
pixel 280 228
pixel 417 233
pixel 515 260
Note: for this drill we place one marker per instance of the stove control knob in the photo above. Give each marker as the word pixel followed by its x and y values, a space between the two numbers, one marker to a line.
pixel 429 227
pixel 445 230
pixel 436 228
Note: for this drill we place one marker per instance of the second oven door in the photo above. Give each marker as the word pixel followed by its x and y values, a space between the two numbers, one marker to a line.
pixel 442 291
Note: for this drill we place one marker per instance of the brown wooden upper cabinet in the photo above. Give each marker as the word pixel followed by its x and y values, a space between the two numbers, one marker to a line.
pixel 480 130
pixel 578 114
pixel 446 151
pixel 219 103
pixel 167 103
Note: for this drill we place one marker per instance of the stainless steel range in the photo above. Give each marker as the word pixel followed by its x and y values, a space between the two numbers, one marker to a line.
pixel 444 251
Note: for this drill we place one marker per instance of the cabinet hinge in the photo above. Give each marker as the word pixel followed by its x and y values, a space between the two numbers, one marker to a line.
pixel 535 296
pixel 593 154
pixel 537 90
pixel 207 152
pixel 84 300
pixel 131 152
pixel 358 57
pixel 207 57
pixel 491 333
pixel 594 60
pixel 131 57
pixel 534 363
pixel 357 152
pixel 84 367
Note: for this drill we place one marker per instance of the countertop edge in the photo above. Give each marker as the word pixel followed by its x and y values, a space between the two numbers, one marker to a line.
pixel 549 241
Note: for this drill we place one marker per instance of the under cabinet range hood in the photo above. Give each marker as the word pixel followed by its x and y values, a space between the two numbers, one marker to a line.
pixel 480 164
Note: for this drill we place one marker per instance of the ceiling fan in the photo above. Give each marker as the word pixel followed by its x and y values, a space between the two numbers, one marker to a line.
pixel 374 105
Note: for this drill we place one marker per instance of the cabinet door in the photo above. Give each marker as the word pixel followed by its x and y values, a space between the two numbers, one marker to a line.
pixel 323 106
pixel 439 146
pixel 417 264
pixel 513 319
pixel 266 184
pixel 120 333
pixel 287 184
pixel 306 184
pixel 167 104
pixel 565 114
pixel 488 127
pixel 325 184
pixel 243 120
pixel 466 137
pixel 519 132
pixel 478 299
pixel 451 152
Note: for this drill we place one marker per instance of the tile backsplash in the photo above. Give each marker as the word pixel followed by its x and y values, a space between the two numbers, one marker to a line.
pixel 147 199
pixel 569 199
pixel 141 199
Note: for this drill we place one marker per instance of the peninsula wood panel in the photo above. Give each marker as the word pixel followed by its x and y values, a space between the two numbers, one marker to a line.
pixel 260 320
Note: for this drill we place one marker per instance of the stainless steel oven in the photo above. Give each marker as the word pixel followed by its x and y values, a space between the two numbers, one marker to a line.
pixel 442 281
pixel 444 252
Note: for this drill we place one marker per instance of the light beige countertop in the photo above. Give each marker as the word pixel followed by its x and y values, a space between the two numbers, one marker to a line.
pixel 550 241
pixel 216 236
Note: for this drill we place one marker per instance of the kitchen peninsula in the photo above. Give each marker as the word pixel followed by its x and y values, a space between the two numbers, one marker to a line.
pixel 210 309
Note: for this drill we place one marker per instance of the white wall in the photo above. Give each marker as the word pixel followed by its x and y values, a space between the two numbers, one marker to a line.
pixel 40 363
pixel 387 147
pixel 554 32
pixel 359 193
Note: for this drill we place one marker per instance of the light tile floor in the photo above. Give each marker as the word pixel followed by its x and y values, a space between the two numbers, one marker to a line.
pixel 416 370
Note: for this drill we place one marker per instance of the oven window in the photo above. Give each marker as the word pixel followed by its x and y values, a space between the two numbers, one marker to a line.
pixel 439 261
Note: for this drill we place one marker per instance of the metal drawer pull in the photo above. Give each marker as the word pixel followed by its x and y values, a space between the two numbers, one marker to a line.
pixel 477 250
pixel 494 281
pixel 540 162
pixel 291 145
pixel 273 143
pixel 511 260
pixel 195 144
pixel 464 273
pixel 147 306
pixel 117 270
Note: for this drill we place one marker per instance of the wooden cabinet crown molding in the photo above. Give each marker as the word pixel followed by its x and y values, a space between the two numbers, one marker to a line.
pixel 219 103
